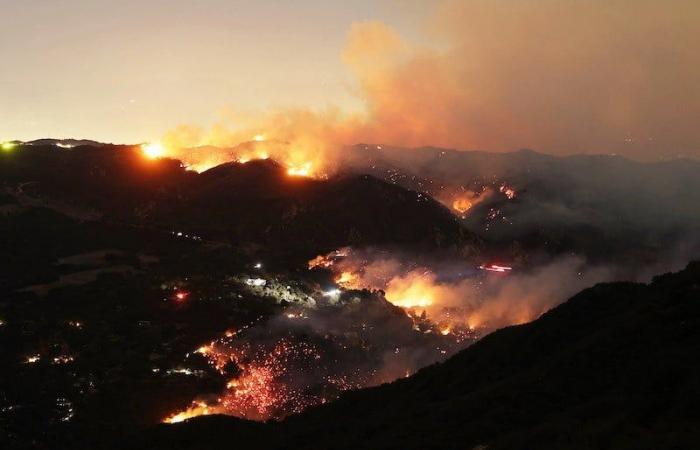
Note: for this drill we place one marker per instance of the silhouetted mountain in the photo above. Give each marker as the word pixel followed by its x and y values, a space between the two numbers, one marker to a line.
pixel 257 202
pixel 66 143
pixel 610 368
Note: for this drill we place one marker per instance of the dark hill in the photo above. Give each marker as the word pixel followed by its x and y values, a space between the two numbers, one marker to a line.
pixel 612 368
pixel 257 202
pixel 603 206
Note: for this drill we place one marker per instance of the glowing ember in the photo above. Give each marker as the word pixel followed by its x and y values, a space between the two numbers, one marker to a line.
pixel 303 170
pixel 33 359
pixel 153 150
pixel 346 279
pixel 411 291
pixel 63 359
pixel 495 268
pixel 256 156
pixel 196 409
pixel 508 191
pixel 180 296
pixel 462 205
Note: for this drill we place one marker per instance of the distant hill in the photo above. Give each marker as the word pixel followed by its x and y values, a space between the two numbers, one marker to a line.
pixel 255 202
pixel 66 143
pixel 612 368
pixel 602 206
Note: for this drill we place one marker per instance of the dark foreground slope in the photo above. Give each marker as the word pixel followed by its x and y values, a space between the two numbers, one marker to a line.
pixel 614 367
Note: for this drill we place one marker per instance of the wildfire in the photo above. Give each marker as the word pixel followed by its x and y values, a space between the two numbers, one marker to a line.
pixel 415 290
pixel 262 389
pixel 508 191
pixel 495 268
pixel 303 170
pixel 153 150
pixel 462 205
pixel 254 156
pixel 196 409
pixel 346 279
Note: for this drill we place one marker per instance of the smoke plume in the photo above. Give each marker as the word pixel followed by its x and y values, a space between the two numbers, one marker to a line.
pixel 555 75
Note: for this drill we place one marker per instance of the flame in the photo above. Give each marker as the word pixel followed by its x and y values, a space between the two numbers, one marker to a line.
pixel 415 290
pixel 461 200
pixel 262 390
pixel 508 191
pixel 347 279
pixel 303 170
pixel 153 150
pixel 196 409
pixel 462 205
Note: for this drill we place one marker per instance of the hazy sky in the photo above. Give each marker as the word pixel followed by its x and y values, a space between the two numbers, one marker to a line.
pixel 559 76
pixel 128 70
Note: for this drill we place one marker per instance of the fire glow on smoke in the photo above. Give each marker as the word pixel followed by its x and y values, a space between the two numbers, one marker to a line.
pixel 383 319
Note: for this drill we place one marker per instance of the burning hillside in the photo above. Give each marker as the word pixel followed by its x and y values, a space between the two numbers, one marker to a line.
pixel 458 293
pixel 311 352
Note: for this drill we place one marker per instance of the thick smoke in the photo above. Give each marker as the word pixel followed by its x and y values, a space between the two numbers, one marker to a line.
pixel 455 292
pixel 558 76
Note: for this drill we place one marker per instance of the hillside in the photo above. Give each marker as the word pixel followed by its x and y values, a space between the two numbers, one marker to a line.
pixel 255 203
pixel 610 368
pixel 601 206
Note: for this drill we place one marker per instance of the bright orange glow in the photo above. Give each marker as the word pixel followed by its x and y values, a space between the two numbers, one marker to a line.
pixel 153 150
pixel 462 205
pixel 303 170
pixel 196 409
pixel 412 291
pixel 346 279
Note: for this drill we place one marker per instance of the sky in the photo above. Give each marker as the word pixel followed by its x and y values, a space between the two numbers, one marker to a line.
pixel 559 76
pixel 128 70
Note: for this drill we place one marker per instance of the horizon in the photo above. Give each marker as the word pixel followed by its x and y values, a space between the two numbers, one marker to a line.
pixel 383 71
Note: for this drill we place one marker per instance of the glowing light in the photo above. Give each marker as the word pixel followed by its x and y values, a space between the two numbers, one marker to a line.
pixel 7 146
pixel 508 191
pixel 259 138
pixel 182 295
pixel 333 293
pixel 63 359
pixel 33 359
pixel 204 350
pixel 495 268
pixel 196 409
pixel 303 170
pixel 462 205
pixel 153 150
pixel 256 282
pixel 62 145
pixel 346 279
